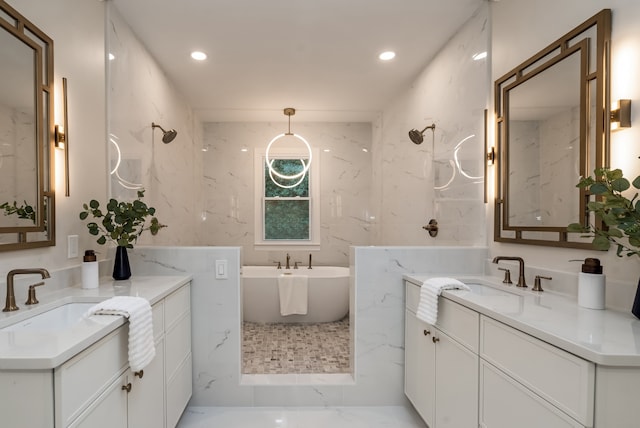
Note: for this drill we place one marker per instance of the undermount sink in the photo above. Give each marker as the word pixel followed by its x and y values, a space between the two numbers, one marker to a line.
pixel 59 318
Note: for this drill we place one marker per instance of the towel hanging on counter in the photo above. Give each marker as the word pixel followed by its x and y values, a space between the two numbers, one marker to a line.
pixel 293 292
pixel 138 311
pixel 429 292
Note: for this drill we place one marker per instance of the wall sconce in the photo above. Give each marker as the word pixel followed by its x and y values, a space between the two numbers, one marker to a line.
pixel 61 137
pixel 621 115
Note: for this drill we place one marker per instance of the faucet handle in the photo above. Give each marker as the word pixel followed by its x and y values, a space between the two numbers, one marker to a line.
pixel 507 276
pixel 295 264
pixel 536 282
pixel 279 265
pixel 32 300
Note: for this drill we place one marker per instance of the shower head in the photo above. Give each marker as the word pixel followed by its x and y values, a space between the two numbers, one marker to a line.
pixel 167 136
pixel 418 136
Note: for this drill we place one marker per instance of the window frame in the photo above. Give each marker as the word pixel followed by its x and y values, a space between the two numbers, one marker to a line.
pixel 314 200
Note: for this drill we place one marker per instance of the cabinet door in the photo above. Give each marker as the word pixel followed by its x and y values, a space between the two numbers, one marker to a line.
pixel 109 410
pixel 504 403
pixel 146 399
pixel 456 383
pixel 419 385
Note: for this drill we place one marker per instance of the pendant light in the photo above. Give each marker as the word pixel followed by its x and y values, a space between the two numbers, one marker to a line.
pixel 305 166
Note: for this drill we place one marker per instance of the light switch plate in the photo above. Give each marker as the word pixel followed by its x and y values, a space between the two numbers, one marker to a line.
pixel 72 246
pixel 221 269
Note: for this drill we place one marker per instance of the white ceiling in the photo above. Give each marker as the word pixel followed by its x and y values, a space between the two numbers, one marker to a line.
pixel 318 56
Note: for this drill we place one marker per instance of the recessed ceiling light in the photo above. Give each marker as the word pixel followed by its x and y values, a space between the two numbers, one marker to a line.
pixel 198 56
pixel 111 56
pixel 478 56
pixel 387 56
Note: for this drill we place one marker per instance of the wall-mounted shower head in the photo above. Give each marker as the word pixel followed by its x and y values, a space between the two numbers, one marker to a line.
pixel 167 136
pixel 418 136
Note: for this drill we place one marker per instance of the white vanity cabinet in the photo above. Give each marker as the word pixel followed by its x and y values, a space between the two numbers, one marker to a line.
pixel 520 379
pixel 96 388
pixel 441 364
pixel 526 382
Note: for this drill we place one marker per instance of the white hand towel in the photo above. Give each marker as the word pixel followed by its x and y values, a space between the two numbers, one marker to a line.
pixel 293 292
pixel 138 311
pixel 429 292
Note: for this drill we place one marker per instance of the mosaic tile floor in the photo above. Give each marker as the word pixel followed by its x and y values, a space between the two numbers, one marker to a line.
pixel 295 348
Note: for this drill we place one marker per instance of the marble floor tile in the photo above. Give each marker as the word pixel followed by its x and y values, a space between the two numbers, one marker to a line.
pixel 309 417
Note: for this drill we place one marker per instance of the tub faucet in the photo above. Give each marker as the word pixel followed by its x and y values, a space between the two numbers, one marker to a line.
pixel 288 266
pixel 10 304
pixel 309 261
pixel 522 282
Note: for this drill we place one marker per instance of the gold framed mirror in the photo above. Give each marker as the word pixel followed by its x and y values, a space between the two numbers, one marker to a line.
pixel 552 119
pixel 27 197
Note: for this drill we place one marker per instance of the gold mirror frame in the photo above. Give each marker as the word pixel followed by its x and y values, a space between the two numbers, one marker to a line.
pixel 42 233
pixel 593 133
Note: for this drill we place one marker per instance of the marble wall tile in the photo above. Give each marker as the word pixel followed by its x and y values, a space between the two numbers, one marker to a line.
pixel 378 299
pixel 345 193
pixel 141 93
pixel 452 93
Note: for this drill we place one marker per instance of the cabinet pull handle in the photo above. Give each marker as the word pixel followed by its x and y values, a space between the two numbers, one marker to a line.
pixel 426 332
pixel 139 374
pixel 127 387
pixel 435 339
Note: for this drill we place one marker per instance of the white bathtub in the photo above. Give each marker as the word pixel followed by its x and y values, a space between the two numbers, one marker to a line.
pixel 328 294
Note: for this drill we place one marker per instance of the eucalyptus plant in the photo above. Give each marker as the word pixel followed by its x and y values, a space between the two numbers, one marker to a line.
pixel 123 222
pixel 620 215
pixel 25 211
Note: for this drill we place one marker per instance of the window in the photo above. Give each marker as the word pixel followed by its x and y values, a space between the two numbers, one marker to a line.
pixel 287 214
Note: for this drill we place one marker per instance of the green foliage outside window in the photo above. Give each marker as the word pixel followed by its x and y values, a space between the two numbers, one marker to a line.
pixel 286 210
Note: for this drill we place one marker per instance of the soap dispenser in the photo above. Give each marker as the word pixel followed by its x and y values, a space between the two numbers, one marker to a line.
pixel 591 285
pixel 90 275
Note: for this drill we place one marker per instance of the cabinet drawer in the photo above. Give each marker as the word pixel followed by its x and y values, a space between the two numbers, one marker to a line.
pixel 504 403
pixel 460 323
pixel 563 379
pixel 84 377
pixel 175 305
pixel 412 296
pixel 157 314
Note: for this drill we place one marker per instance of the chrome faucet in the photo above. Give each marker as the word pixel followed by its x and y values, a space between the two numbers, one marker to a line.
pixel 10 304
pixel 522 282
pixel 287 265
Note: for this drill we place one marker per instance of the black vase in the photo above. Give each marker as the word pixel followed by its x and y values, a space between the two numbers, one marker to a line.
pixel 635 309
pixel 121 267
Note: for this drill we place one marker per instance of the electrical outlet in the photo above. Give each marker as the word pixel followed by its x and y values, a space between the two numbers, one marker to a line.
pixel 72 246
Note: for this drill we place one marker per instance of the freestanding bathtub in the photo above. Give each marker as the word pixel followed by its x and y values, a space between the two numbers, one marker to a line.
pixel 328 294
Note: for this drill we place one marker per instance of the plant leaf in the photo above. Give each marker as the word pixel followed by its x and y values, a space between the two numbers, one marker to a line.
pixel 601 243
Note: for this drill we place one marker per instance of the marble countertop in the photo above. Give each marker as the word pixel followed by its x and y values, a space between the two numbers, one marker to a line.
pixel 47 349
pixel 604 337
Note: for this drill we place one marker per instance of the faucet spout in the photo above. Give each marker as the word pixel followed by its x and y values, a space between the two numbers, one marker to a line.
pixel 288 266
pixel 522 282
pixel 10 303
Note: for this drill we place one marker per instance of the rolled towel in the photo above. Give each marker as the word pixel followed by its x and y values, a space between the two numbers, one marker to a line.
pixel 429 292
pixel 138 311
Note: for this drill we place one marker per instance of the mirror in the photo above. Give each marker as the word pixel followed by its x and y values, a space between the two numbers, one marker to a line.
pixel 27 217
pixel 551 128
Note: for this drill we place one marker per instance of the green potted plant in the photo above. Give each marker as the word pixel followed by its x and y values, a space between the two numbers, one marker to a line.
pixel 122 223
pixel 620 216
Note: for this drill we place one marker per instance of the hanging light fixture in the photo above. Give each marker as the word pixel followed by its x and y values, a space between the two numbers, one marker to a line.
pixel 305 165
